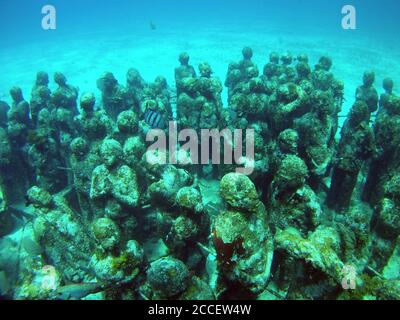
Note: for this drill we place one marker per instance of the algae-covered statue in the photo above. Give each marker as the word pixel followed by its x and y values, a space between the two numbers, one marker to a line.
pixel 357 145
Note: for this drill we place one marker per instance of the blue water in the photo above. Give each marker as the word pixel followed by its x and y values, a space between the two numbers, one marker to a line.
pixel 21 18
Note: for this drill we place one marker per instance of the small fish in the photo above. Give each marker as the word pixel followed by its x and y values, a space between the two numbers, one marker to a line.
pixel 154 119
pixel 64 169
pixel 78 291
pixel 152 25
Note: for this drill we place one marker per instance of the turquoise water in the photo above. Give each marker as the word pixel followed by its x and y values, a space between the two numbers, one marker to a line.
pixel 80 207
pixel 96 37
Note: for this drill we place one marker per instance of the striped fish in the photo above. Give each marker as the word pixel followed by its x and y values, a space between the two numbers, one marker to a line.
pixel 154 119
pixel 77 291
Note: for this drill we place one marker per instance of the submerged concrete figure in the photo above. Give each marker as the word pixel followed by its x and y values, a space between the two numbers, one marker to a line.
pixel 240 72
pixel 387 95
pixel 357 145
pixel 65 95
pixel 19 174
pixel 114 95
pixel 293 202
pixel 199 103
pixel 242 238
pixel 387 134
pixel 92 127
pixel 135 87
pixel 41 95
pixel 18 117
pixel 45 157
pixel 90 123
pixel 64 100
pixel 367 92
pixel 185 70
pixel 156 104
pixel 272 69
pixel 316 131
pixel 303 68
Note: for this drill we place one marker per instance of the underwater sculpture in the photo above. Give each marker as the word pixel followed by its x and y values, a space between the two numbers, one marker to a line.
pixel 357 144
pixel 135 86
pixel 114 95
pixel 241 72
pixel 41 96
pixel 367 92
pixel 199 102
pixel 96 220
pixel 185 70
pixel 156 105
pixel 241 236
pixel 384 163
pixel 18 117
